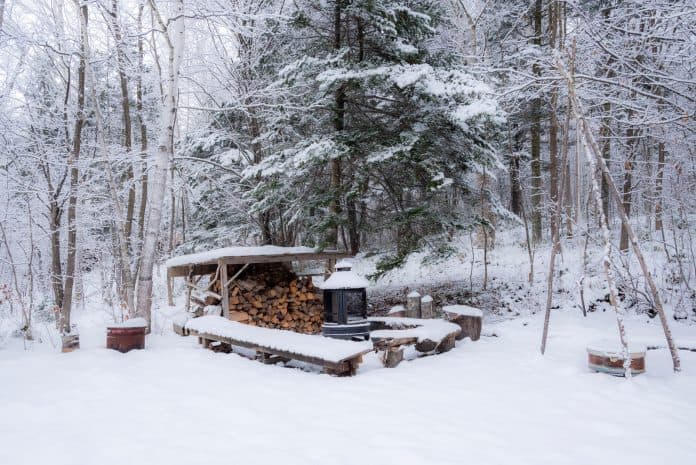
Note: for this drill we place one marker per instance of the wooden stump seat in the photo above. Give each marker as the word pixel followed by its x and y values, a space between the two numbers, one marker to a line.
pixel 470 319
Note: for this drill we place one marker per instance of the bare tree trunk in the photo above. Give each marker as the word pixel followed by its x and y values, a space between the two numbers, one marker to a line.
pixel 515 187
pixel 594 148
pixel 73 160
pixel 605 133
pixel 555 250
pixel 55 214
pixel 568 192
pixel 127 124
pixel 553 126
pixel 174 32
pixel 537 187
pixel 658 185
pixel 626 195
pixel 121 242
pixel 143 140
pixel 339 116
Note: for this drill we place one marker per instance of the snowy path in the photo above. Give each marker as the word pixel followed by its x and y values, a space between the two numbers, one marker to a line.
pixel 492 402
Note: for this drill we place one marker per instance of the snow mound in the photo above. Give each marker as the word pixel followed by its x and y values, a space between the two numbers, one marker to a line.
pixel 332 350
pixel 464 310
pixel 132 323
pixel 397 309
pixel 613 348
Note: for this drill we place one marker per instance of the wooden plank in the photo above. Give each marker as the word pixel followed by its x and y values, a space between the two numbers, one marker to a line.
pixel 198 269
pixel 205 292
pixel 188 293
pixel 211 266
pixel 339 366
pixel 170 293
pixel 225 289
pixel 236 275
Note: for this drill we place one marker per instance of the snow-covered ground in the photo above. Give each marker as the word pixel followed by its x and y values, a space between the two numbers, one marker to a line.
pixel 492 401
pixel 495 401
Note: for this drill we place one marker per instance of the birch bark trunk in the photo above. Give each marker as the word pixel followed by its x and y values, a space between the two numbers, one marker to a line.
pixel 174 33
pixel 597 158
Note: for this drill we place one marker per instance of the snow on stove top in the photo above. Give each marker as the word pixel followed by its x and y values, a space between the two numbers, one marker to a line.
pixel 462 310
pixel 345 280
pixel 421 328
pixel 239 251
pixel 332 350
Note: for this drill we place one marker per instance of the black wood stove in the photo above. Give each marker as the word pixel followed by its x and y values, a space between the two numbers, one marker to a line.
pixel 345 304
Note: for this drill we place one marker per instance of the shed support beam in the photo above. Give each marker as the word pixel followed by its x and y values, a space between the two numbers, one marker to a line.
pixel 170 297
pixel 224 289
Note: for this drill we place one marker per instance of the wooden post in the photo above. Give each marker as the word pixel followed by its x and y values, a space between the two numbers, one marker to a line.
pixel 170 297
pixel 330 268
pixel 188 289
pixel 413 305
pixel 426 304
pixel 224 289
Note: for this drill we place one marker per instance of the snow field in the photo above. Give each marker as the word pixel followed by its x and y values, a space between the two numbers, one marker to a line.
pixel 496 401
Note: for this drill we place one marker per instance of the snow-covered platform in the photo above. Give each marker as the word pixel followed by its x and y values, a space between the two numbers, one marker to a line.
pixel 338 357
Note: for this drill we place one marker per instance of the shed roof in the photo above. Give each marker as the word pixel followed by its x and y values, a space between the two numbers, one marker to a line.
pixel 242 254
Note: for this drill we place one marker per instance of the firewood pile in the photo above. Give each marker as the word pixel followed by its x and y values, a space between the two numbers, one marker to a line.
pixel 272 296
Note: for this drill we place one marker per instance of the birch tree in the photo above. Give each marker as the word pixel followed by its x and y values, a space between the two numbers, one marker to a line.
pixel 173 31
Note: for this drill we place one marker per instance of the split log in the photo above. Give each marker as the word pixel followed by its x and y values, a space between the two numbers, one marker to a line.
pixel 392 357
pixel 446 344
pixel 426 345
pixel 272 296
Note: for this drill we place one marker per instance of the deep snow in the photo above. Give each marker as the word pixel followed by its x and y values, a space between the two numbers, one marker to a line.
pixel 496 401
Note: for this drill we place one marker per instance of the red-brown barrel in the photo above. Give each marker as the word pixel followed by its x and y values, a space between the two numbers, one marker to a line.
pixel 125 339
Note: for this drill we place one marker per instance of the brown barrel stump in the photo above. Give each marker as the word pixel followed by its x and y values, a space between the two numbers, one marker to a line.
pixel 125 339
pixel 605 359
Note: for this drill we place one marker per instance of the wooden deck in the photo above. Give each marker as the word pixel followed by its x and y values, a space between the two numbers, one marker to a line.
pixel 344 367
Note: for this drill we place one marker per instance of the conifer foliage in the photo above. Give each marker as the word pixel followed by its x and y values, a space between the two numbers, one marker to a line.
pixel 375 134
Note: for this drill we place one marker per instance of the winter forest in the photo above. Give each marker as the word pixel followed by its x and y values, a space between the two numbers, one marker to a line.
pixel 534 159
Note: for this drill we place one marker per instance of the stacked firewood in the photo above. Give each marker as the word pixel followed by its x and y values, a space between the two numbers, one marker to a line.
pixel 272 296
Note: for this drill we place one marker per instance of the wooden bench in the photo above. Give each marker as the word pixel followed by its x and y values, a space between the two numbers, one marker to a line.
pixel 337 357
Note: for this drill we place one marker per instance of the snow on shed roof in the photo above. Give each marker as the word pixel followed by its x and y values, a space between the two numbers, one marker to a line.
pixel 250 255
